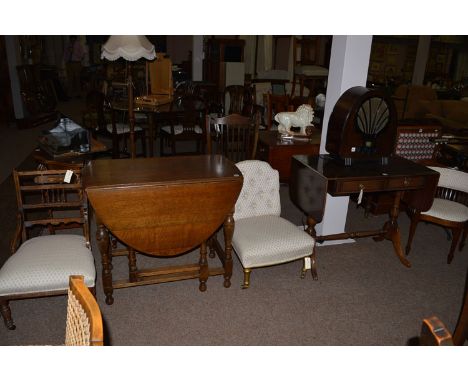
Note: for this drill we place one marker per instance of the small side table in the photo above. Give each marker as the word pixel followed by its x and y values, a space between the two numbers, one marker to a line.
pixel 278 153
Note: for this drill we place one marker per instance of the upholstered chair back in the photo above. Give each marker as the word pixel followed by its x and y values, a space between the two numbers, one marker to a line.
pixel 260 192
pixel 453 179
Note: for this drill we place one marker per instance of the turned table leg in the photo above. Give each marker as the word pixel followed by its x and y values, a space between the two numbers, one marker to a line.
pixel 132 267
pixel 102 236
pixel 204 271
pixel 310 229
pixel 228 229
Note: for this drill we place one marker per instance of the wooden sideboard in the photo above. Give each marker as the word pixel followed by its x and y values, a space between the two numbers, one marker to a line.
pixel 278 153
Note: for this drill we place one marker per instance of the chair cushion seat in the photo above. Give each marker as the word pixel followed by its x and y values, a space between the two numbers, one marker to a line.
pixel 179 129
pixel 267 240
pixel 44 263
pixel 448 210
pixel 311 70
pixel 141 118
pixel 122 128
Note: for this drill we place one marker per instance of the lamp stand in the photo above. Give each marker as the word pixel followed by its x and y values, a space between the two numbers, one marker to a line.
pixel 131 111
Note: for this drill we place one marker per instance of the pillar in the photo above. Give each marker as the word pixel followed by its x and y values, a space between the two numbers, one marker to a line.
pixel 349 63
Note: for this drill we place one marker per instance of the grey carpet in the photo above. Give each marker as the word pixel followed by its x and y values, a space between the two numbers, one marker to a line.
pixel 364 296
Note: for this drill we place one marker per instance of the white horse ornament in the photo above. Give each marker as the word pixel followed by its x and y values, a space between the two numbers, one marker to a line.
pixel 301 118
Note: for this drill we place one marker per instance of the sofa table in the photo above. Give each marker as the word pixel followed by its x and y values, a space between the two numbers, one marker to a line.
pixel 312 177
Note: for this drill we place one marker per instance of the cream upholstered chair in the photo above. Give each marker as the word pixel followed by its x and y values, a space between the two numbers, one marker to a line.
pixel 84 320
pixel 42 265
pixel 449 209
pixel 261 237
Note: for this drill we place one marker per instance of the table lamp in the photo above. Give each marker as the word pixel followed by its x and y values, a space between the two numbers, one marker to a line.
pixel 130 48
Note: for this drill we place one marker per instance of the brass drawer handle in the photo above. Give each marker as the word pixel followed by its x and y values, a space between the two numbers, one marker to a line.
pixel 406 182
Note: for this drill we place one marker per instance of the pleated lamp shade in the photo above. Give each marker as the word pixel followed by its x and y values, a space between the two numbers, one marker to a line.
pixel 131 48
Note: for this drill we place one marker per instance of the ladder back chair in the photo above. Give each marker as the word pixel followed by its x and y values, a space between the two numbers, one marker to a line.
pixel 41 264
pixel 186 116
pixel 234 136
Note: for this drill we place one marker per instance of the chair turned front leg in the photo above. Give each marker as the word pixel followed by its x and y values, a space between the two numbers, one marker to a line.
pixel 246 283
pixel 456 233
pixel 412 230
pixel 6 314
pixel 462 241
pixel 313 268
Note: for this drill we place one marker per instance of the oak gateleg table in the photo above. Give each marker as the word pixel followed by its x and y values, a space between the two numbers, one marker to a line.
pixel 162 207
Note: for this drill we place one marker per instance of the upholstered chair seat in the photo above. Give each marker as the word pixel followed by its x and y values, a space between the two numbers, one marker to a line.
pixel 41 264
pixel 122 128
pixel 447 210
pixel 261 236
pixel 311 70
pixel 267 240
pixel 44 263
pixel 179 129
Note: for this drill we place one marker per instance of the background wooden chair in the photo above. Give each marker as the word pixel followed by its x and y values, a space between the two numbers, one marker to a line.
pixel 449 209
pixel 234 99
pixel 84 320
pixel 41 265
pixel 262 237
pixel 234 136
pixel 307 70
pixel 186 116
pixel 119 129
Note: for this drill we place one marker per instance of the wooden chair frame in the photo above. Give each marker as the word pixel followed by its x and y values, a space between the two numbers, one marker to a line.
pixel 234 136
pixel 434 332
pixel 54 196
pixel 188 111
pixel 459 229
pixel 88 303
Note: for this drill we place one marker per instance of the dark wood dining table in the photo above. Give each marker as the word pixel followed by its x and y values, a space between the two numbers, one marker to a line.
pixel 162 207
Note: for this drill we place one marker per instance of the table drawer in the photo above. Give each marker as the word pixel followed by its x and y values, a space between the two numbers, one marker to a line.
pixel 351 186
pixel 406 182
